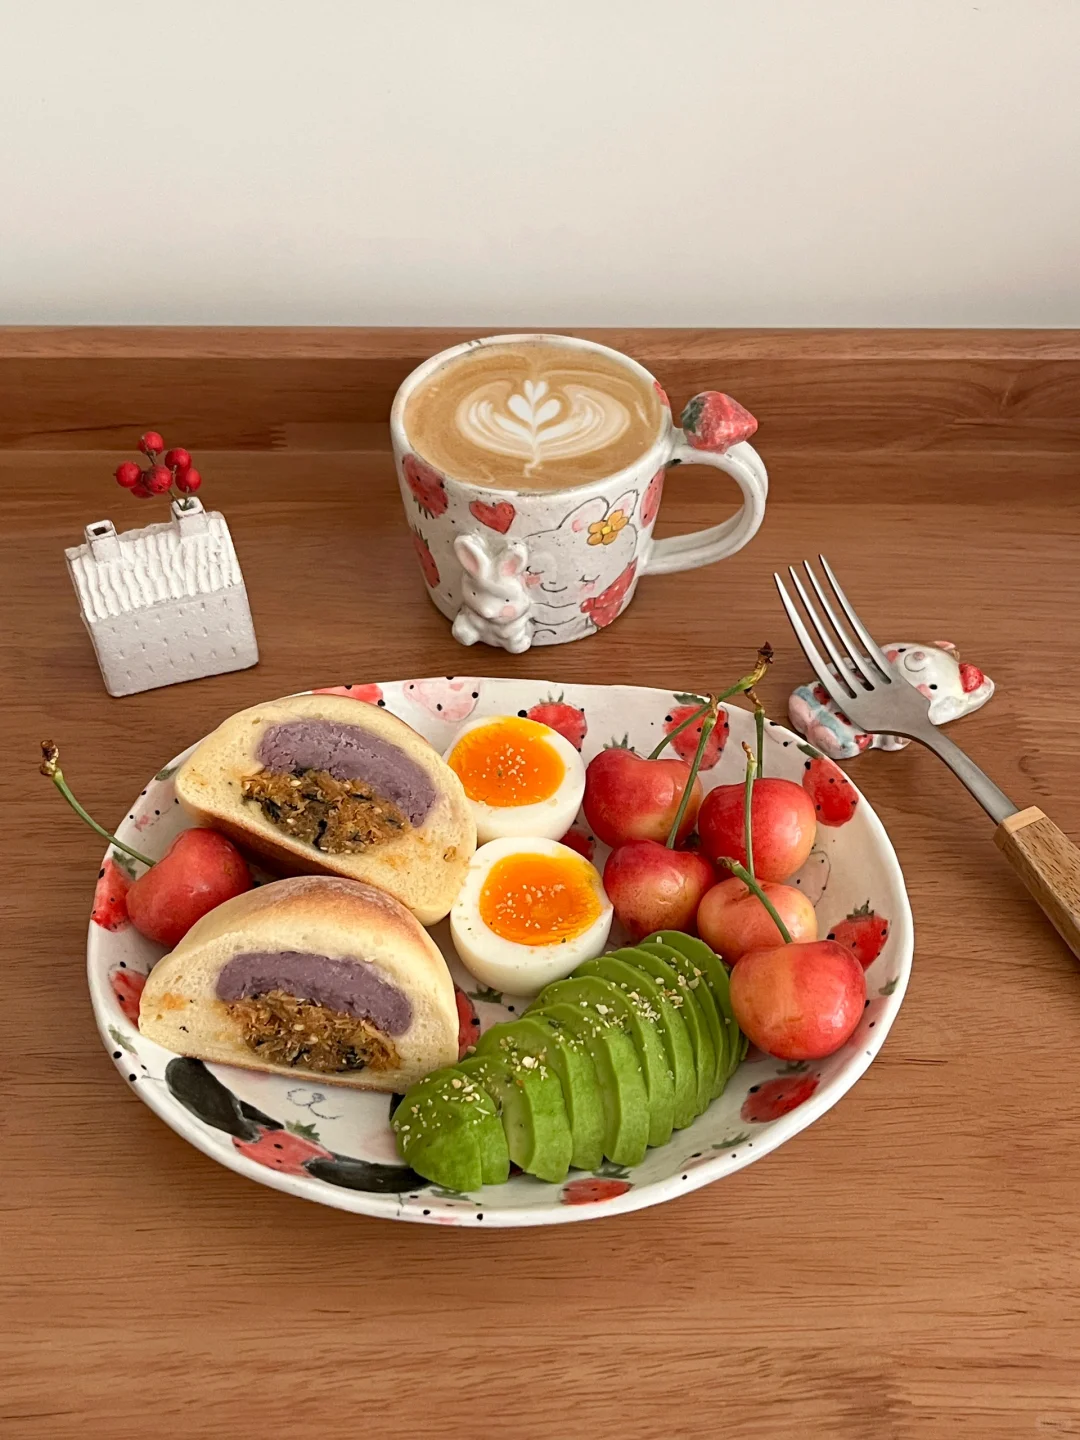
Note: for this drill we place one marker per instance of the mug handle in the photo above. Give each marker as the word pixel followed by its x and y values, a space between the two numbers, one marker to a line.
pixel 715 433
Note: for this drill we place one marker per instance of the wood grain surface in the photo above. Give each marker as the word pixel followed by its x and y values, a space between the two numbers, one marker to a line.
pixel 1048 863
pixel 907 1267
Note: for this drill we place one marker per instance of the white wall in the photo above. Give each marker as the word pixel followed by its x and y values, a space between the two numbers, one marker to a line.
pixel 695 162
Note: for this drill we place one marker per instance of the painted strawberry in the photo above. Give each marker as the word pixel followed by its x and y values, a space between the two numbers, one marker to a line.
pixel 662 393
pixel 777 1097
pixel 833 794
pixel 371 693
pixel 427 486
pixel 716 422
pixel 686 742
pixel 971 677
pixel 282 1150
pixel 127 986
pixel 496 517
pixel 602 609
pixel 427 560
pixel 110 898
pixel 864 932
pixel 650 501
pixel 578 840
pixel 568 720
pixel 468 1023
pixel 591 1188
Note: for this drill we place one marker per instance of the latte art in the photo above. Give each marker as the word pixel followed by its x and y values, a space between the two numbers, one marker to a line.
pixel 539 426
pixel 534 415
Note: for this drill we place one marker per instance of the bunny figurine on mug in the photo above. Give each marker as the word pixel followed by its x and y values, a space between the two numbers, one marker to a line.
pixel 495 604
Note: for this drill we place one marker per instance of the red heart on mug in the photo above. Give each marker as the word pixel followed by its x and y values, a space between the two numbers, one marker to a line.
pixel 496 517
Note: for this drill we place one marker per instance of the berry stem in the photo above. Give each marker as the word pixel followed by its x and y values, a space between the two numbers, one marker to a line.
pixel 741 687
pixel 759 727
pixel 741 873
pixel 50 767
pixel 707 726
pixel 748 809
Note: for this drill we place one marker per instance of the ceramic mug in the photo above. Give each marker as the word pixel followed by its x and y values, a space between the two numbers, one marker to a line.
pixel 518 567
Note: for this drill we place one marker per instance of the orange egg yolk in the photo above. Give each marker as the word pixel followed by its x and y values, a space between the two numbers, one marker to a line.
pixel 509 762
pixel 539 899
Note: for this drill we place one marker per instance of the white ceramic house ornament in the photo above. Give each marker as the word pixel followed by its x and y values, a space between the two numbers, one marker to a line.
pixel 164 603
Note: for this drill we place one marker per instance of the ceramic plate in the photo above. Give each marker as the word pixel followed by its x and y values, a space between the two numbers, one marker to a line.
pixel 335 1146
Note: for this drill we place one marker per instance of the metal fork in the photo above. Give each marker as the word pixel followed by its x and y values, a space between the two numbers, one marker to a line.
pixel 865 684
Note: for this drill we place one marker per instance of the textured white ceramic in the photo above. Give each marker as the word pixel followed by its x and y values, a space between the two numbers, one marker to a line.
pixel 163 603
pixel 544 567
pixel 335 1146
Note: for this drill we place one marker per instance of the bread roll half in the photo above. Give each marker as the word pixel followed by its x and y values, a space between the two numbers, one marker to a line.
pixel 314 976
pixel 408 829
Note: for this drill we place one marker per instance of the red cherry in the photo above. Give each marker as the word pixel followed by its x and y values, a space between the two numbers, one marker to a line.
pixel 177 458
pixel 188 481
pixel 128 474
pixel 158 480
pixel 200 870
pixel 151 443
pixel 140 490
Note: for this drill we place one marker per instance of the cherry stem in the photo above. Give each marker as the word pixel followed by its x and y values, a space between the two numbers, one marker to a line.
pixel 748 809
pixel 741 873
pixel 759 727
pixel 741 687
pixel 707 726
pixel 50 767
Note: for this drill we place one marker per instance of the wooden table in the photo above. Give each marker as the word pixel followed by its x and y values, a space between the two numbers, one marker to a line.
pixel 906 1267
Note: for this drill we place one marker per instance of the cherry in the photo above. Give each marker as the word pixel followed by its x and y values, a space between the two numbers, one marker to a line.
pixel 654 888
pixel 732 920
pixel 151 443
pixel 630 798
pixel 140 491
pixel 158 480
pixel 178 459
pixel 784 823
pixel 200 870
pixel 188 481
pixel 800 1001
pixel 128 474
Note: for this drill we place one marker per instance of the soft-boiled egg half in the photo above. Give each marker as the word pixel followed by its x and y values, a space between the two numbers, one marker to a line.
pixel 520 777
pixel 528 913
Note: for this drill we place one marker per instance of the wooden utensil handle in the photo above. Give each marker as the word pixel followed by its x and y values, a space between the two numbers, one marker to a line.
pixel 1048 863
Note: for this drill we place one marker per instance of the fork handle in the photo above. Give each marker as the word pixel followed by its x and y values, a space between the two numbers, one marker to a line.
pixel 1048 863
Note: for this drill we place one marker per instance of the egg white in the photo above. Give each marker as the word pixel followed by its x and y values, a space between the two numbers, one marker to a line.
pixel 504 964
pixel 550 818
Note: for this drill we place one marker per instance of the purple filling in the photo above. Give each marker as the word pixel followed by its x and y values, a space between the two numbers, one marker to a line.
pixel 349 753
pixel 352 987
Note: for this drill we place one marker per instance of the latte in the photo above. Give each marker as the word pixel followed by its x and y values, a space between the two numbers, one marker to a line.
pixel 532 415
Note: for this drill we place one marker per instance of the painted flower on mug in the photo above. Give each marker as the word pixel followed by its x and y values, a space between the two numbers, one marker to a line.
pixel 602 609
pixel 427 486
pixel 606 531
pixel 427 560
pixel 650 501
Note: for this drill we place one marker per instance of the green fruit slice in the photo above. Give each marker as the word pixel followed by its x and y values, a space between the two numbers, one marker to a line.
pixel 569 1057
pixel 714 1018
pixel 717 975
pixel 533 1112
pixel 449 1158
pixel 653 1004
pixel 607 999
pixel 622 1086
pixel 449 1102
pixel 677 986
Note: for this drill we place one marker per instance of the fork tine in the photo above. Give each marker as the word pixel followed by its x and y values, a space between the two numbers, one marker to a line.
pixel 821 670
pixel 860 661
pixel 873 649
pixel 825 638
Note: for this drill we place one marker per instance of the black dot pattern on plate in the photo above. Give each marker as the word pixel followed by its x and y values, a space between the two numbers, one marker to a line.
pixel 523 713
pixel 117 1054
pixel 479 1217
pixel 427 1212
pixel 133 1078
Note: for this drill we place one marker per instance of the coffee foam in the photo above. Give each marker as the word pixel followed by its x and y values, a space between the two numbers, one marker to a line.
pixel 533 415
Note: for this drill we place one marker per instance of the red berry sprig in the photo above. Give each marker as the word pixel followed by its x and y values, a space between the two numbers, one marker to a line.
pixel 166 471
